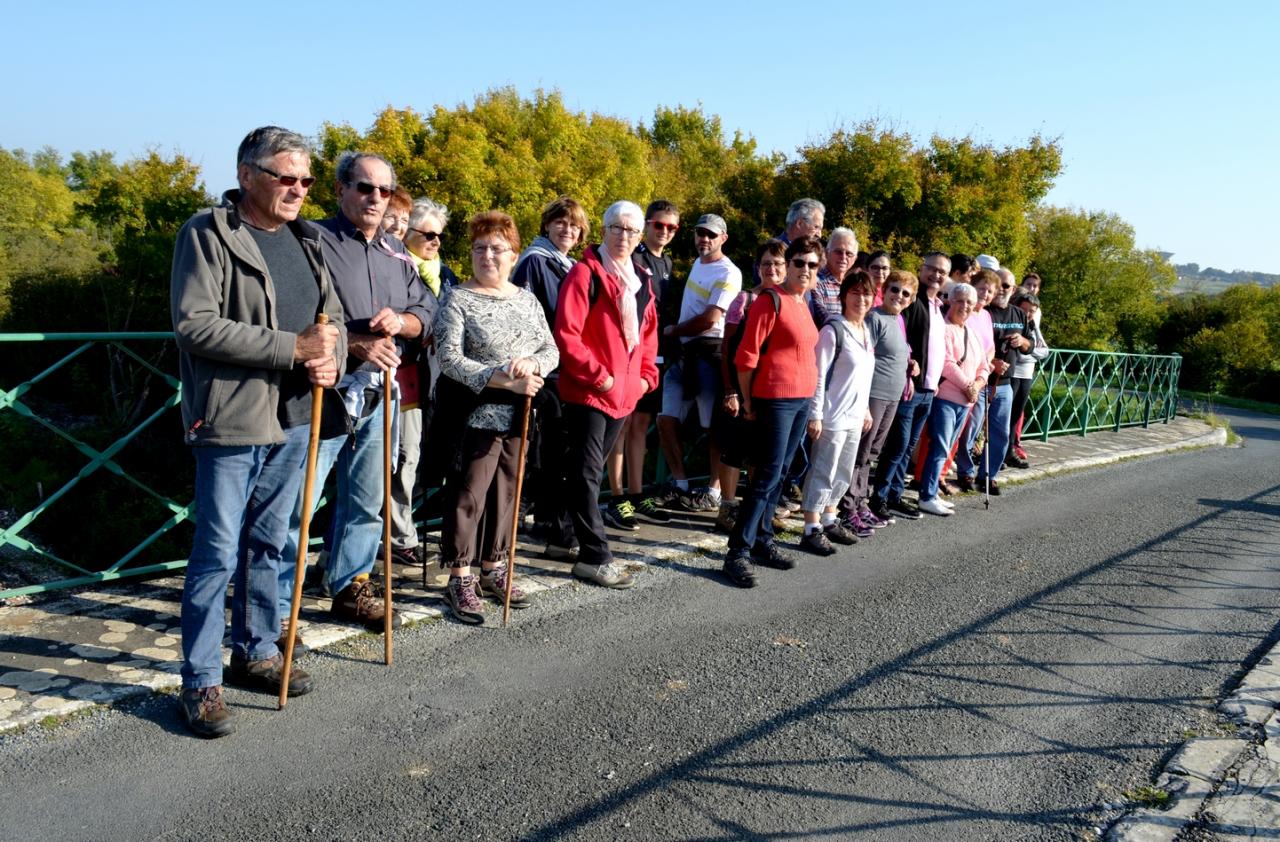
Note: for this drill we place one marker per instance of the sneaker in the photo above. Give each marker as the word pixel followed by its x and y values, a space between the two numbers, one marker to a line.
pixel 1019 452
pixel 701 500
pixel 1015 461
pixel 934 507
pixel 299 648
pixel 559 552
pixel 607 575
pixel 737 569
pixel 817 543
pixel 670 496
pixel 880 509
pixel 621 514
pixel 726 517
pixel 462 600
pixel 360 602
pixel 648 508
pixel 774 558
pixel 266 675
pixel 205 712
pixel 854 524
pixel 840 534
pixel 947 503
pixel 966 484
pixel 494 584
pixel 906 508
pixel 871 520
pixel 414 556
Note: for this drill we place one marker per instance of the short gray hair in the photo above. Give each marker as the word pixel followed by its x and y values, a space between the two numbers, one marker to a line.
pixel 618 210
pixel 347 162
pixel 265 142
pixel 423 208
pixel 962 290
pixel 804 209
pixel 843 233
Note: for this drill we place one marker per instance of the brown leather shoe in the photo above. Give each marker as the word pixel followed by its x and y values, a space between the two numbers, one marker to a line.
pixel 205 712
pixel 299 648
pixel 360 602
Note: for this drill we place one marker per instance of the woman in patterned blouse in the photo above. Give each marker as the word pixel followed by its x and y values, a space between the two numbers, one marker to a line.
pixel 492 338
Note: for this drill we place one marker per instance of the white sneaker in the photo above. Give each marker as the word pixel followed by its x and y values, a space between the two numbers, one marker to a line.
pixel 947 503
pixel 934 507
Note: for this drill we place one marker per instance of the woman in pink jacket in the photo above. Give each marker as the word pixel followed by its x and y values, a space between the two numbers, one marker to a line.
pixel 964 374
pixel 607 332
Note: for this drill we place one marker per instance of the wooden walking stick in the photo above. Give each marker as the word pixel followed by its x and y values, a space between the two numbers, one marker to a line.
pixel 515 510
pixel 386 515
pixel 304 532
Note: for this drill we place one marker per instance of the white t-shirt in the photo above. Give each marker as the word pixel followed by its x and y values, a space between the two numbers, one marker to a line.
pixel 710 285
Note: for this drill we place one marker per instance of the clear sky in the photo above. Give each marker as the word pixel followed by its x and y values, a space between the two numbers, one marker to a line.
pixel 1168 113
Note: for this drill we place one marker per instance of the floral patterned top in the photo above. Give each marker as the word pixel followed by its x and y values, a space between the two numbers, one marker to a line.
pixel 478 334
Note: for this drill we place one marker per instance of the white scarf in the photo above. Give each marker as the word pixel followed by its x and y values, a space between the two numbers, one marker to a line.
pixel 625 272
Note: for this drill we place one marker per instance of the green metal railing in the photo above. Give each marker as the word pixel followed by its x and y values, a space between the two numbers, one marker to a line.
pixel 1075 392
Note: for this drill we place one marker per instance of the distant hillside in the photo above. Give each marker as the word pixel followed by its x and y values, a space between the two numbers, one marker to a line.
pixel 1191 278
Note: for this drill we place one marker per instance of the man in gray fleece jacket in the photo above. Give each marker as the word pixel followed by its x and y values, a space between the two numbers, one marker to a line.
pixel 248 281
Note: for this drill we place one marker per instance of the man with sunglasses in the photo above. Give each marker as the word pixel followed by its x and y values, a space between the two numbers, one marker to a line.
pixel 1009 331
pixel 249 278
pixel 386 310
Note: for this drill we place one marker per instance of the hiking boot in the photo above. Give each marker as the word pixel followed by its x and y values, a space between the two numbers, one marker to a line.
pixel 840 534
pixel 559 552
pixel 854 524
pixel 648 508
pixel 869 519
pixel 205 713
pixel 966 484
pixel 299 648
pixel 1015 461
pixel 266 675
pixel 494 584
pixel 905 508
pixel 726 517
pixel 462 601
pixel 737 569
pixel 607 575
pixel 774 557
pixel 816 542
pixel 935 507
pixel 880 509
pixel 360 602
pixel 621 514
pixel 701 500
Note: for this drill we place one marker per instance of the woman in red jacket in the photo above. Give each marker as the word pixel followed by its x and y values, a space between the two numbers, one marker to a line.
pixel 607 332
pixel 778 372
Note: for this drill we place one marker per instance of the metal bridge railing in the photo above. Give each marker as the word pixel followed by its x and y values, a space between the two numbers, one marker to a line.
pixel 1074 392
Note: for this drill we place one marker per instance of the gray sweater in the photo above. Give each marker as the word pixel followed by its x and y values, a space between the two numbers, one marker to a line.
pixel 892 353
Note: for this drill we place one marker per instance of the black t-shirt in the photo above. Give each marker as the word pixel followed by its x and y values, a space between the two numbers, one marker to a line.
pixel 666 300
pixel 1005 324
pixel 297 302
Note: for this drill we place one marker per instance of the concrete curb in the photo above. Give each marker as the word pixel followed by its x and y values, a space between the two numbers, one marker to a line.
pixel 1214 437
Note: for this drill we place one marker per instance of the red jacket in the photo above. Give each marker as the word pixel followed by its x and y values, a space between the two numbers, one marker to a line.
pixel 591 345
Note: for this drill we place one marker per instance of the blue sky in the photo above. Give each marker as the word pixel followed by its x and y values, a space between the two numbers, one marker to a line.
pixel 1168 113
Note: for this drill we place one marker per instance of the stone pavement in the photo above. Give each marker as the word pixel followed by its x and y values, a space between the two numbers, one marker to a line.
pixel 69 651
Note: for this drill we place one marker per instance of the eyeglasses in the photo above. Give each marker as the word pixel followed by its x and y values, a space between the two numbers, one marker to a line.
pixel 811 265
pixel 705 234
pixel 288 180
pixel 480 249
pixel 623 231
pixel 897 290
pixel 429 236
pixel 842 253
pixel 773 264
pixel 876 267
pixel 937 270
pixel 366 188
pixel 663 227
pixel 1006 286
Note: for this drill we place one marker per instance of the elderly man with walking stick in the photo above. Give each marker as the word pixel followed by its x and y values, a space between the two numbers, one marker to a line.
pixel 249 279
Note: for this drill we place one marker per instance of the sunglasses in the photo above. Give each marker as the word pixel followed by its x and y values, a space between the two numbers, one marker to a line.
pixel 366 188
pixel 705 234
pixel 811 265
pixel 897 290
pixel 663 227
pixel 288 180
pixel 429 236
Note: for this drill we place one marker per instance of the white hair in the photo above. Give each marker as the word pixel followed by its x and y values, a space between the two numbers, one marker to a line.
pixel 962 290
pixel 423 208
pixel 844 234
pixel 804 209
pixel 622 209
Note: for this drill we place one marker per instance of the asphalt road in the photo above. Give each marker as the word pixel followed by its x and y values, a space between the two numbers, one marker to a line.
pixel 1002 674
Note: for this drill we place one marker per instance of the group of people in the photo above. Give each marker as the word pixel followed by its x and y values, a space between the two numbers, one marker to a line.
pixel 818 380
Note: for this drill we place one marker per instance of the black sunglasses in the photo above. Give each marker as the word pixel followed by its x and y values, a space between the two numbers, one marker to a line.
pixel 429 236
pixel 288 180
pixel 805 264
pixel 366 188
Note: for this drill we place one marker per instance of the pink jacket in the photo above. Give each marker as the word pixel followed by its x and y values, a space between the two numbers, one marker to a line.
pixel 963 364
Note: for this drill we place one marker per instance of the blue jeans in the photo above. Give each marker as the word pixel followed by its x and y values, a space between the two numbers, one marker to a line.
pixel 243 496
pixel 964 456
pixel 895 458
pixel 998 433
pixel 325 459
pixel 945 419
pixel 779 427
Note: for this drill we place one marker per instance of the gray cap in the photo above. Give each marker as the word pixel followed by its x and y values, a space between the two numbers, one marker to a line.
pixel 986 261
pixel 712 222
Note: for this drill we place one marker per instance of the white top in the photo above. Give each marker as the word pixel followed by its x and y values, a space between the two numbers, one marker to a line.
pixel 843 404
pixel 713 284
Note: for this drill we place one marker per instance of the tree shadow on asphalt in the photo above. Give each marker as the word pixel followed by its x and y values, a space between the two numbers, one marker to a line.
pixel 736 769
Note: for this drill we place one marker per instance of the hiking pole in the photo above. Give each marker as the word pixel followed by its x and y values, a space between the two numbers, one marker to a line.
pixel 304 532
pixel 515 511
pixel 386 514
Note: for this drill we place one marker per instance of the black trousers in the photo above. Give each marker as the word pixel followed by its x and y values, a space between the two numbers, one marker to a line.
pixel 592 435
pixel 1021 392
